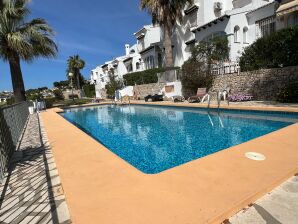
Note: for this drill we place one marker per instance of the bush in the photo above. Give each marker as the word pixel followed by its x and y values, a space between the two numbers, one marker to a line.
pixel 10 101
pixel 67 103
pixel 289 94
pixel 58 94
pixel 73 96
pixel 89 90
pixel 144 77
pixel 49 102
pixel 197 70
pixel 194 77
pixel 279 49
pixel 113 85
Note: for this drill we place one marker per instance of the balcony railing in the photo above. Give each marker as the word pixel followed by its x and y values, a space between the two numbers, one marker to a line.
pixel 226 68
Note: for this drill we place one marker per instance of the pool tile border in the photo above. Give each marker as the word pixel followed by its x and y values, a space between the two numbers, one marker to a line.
pixel 194 171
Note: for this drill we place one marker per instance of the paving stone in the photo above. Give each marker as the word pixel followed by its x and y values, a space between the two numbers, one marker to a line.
pixel 28 187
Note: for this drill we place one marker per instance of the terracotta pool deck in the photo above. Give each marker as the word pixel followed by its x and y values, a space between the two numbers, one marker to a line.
pixel 100 187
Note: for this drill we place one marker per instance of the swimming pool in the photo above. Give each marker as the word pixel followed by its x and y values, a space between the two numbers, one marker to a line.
pixel 156 138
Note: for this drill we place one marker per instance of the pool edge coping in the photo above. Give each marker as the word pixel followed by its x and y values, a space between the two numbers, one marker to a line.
pixel 245 201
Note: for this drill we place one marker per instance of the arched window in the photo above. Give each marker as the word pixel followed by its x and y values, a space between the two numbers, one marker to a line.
pixel 245 35
pixel 138 65
pixel 236 34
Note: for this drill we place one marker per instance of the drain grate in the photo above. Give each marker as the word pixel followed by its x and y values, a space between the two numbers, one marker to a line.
pixel 255 156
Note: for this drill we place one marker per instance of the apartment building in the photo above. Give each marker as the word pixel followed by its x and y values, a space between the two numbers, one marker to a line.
pixel 287 14
pixel 150 46
pixel 242 21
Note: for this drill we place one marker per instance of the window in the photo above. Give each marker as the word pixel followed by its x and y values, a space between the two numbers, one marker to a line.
pixel 265 26
pixel 169 89
pixel 236 34
pixel 292 19
pixel 138 65
pixel 215 34
pixel 245 33
pixel 192 18
pixel 129 67
pixel 149 62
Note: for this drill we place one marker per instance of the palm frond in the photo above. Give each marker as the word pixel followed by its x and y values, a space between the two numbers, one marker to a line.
pixel 28 39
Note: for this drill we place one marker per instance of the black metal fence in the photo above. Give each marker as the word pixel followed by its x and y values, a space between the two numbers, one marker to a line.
pixel 12 122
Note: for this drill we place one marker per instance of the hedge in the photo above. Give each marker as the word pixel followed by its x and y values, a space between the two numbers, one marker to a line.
pixel 144 77
pixel 279 49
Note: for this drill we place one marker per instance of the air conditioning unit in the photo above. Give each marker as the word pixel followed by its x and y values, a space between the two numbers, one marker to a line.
pixel 217 6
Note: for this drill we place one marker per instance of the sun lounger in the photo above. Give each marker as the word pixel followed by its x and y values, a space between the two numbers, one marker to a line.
pixel 201 93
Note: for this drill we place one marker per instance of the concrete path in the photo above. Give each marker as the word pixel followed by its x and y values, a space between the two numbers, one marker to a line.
pixel 279 206
pixel 31 191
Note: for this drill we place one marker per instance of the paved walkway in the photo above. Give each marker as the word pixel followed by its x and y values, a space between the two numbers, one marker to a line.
pixel 31 191
pixel 278 207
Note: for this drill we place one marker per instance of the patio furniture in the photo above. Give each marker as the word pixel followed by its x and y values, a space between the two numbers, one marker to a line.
pixel 201 93
pixel 152 98
pixel 240 97
pixel 177 99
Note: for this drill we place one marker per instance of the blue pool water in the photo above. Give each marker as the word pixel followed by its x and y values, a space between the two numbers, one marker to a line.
pixel 155 138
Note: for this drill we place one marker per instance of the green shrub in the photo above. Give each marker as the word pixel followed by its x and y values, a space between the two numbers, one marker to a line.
pixel 289 94
pixel 67 103
pixel 58 94
pixel 197 70
pixel 279 49
pixel 49 102
pixel 113 85
pixel 10 101
pixel 89 90
pixel 144 77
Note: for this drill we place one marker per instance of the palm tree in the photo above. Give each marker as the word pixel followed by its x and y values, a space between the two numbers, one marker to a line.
pixel 166 13
pixel 75 64
pixel 22 40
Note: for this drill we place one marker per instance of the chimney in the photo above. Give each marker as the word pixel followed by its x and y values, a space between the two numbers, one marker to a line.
pixel 127 49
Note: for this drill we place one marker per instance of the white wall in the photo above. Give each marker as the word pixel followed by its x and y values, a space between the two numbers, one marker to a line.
pixel 127 91
pixel 177 89
pixel 152 35
pixel 238 17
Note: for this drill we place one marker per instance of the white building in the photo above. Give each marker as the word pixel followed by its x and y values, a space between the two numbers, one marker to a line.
pixel 146 54
pixel 130 62
pixel 287 14
pixel 242 21
pixel 149 46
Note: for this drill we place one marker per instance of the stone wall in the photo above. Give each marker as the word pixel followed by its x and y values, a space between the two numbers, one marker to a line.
pixel 148 89
pixel 263 84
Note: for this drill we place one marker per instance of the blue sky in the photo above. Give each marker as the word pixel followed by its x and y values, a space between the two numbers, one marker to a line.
pixel 97 30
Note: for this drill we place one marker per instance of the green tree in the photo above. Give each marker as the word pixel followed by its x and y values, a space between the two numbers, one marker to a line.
pixel 89 90
pixel 279 49
pixel 113 85
pixel 22 40
pixel 197 70
pixel 74 65
pixel 166 13
pixel 58 94
pixel 61 84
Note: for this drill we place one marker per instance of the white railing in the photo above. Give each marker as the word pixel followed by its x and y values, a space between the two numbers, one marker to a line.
pixel 226 68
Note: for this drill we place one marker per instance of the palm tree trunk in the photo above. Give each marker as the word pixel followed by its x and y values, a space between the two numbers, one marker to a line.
pixel 17 77
pixel 168 45
pixel 78 78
